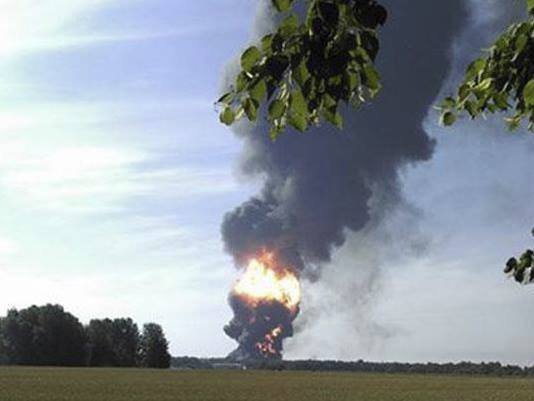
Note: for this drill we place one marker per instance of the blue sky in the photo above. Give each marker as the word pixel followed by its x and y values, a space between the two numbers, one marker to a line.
pixel 115 171
pixel 115 174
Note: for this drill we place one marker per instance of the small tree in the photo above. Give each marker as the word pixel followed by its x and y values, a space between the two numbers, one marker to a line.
pixel 154 348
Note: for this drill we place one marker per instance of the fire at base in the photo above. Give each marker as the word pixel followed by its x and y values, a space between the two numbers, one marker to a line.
pixel 265 301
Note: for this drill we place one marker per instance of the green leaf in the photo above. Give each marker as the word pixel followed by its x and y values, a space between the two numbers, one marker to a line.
pixel 299 121
pixel 448 118
pixel 239 113
pixel 282 5
pixel 298 103
pixel 227 116
pixel 372 78
pixel 258 91
pixel 289 25
pixel 501 100
pixel 274 132
pixel 249 58
pixel 361 54
pixel 266 43
pixel 352 80
pixel 301 73
pixel 448 103
pixel 226 98
pixel 521 42
pixel 463 92
pixel 329 102
pixel 334 118
pixel 513 122
pixel 484 85
pixel 528 93
pixel 241 81
pixel 511 265
pixel 471 108
pixel 251 109
pixel 276 109
pixel 474 68
pixel 530 6
pixel 519 275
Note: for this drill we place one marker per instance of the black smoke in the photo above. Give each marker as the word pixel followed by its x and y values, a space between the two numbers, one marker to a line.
pixel 318 185
pixel 251 325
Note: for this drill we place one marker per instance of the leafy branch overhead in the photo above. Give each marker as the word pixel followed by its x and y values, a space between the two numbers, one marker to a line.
pixel 501 82
pixel 523 269
pixel 309 66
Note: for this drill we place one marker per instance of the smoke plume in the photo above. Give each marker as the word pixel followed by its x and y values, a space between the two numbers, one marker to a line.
pixel 317 186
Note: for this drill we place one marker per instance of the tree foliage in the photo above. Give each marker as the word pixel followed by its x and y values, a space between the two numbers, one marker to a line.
pixel 305 69
pixel 309 66
pixel 112 342
pixel 45 335
pixel 522 268
pixel 315 365
pixel 503 81
pixel 154 348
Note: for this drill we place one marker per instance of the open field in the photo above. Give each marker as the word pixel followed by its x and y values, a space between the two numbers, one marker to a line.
pixel 49 384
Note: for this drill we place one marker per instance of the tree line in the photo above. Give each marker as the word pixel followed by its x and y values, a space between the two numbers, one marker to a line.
pixel 49 336
pixel 460 368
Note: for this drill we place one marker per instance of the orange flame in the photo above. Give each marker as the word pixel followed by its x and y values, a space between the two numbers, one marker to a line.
pixel 265 280
pixel 266 347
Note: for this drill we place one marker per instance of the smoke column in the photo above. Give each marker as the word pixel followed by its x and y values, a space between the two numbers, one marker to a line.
pixel 317 185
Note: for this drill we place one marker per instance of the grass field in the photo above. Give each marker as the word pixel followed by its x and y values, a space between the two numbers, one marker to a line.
pixel 48 384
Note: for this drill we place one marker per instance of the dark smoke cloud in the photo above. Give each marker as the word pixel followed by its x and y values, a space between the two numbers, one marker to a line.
pixel 318 184
pixel 324 184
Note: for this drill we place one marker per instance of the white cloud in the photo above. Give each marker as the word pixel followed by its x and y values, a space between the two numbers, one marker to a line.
pixel 63 156
pixel 113 203
pixel 52 177
pixel 22 21
pixel 91 178
pixel 54 42
pixel 7 247
pixel 29 26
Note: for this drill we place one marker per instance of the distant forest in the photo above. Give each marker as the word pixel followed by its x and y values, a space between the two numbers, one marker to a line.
pixel 50 336
pixel 461 368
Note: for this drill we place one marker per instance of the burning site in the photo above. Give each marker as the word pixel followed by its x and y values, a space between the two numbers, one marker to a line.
pixel 265 300
pixel 320 187
pixel 266 200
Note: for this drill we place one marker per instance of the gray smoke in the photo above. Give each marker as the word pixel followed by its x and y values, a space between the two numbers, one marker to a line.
pixel 318 186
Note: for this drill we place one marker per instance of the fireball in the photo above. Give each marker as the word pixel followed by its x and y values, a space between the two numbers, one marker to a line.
pixel 267 347
pixel 265 280
pixel 265 299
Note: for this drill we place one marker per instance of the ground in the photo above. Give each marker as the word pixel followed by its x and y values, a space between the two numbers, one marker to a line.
pixel 50 384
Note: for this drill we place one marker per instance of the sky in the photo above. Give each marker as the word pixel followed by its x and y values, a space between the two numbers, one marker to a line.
pixel 115 174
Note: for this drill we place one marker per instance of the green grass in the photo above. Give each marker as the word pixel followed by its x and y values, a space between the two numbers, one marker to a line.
pixel 48 384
